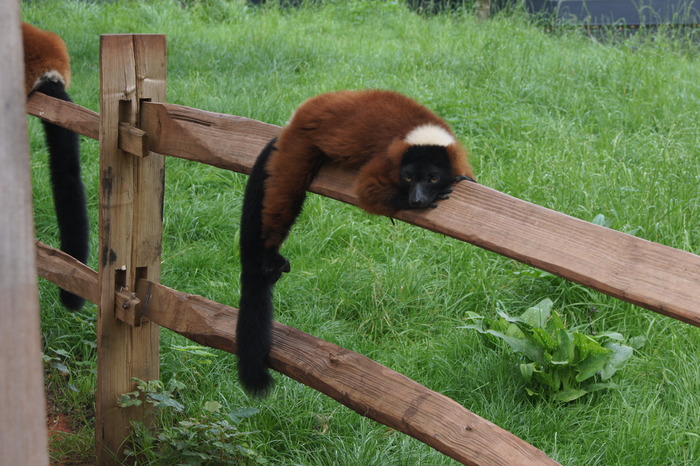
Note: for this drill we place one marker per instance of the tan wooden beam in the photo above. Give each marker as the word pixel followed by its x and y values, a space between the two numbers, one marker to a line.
pixel 363 385
pixel 653 276
pixel 23 439
pixel 356 381
pixel 132 70
pixel 220 140
pixel 67 272
pixel 650 275
pixel 65 114
pixel 86 122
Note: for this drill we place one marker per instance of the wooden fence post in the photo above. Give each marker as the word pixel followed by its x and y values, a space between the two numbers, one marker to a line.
pixel 132 71
pixel 22 404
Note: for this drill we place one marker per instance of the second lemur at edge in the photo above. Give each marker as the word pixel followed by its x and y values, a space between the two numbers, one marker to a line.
pixel 47 70
pixel 406 157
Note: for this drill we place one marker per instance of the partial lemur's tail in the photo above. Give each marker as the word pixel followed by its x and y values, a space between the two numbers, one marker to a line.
pixel 68 191
pixel 254 327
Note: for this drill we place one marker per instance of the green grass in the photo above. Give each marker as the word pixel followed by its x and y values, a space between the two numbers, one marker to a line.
pixel 558 119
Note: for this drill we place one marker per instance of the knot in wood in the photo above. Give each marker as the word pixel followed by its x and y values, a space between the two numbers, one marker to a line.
pixel 335 358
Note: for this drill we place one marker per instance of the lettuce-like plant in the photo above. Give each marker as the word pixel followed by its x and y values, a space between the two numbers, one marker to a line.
pixel 556 361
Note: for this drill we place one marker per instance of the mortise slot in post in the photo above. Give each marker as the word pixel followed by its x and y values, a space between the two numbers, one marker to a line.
pixel 120 278
pixel 142 100
pixel 141 273
pixel 125 111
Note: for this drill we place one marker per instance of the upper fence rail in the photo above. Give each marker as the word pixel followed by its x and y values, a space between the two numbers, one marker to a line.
pixel 657 277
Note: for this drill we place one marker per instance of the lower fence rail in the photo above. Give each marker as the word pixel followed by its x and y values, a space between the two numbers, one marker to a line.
pixel 356 381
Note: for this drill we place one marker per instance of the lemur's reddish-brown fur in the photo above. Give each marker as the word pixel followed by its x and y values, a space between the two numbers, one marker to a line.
pixel 406 157
pixel 363 130
pixel 47 70
pixel 44 52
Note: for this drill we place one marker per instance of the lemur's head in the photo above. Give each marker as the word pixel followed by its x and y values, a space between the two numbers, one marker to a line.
pixel 426 169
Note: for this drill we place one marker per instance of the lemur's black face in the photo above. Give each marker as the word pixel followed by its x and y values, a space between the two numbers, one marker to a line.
pixel 426 176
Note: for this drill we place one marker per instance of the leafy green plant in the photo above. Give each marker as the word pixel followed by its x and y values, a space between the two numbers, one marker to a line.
pixel 563 363
pixel 199 353
pixel 209 438
pixel 57 362
pixel 154 393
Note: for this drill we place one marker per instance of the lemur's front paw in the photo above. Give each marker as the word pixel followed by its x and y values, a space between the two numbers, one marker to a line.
pixel 445 194
pixel 459 178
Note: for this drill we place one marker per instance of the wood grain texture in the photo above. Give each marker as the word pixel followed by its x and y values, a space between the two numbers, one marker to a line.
pixel 133 140
pixel 23 439
pixel 223 141
pixel 65 114
pixel 356 381
pixel 650 275
pixel 132 68
pixel 85 122
pixel 359 383
pixel 67 272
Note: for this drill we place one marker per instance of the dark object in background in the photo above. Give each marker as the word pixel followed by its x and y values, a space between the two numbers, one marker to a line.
pixel 621 13
pixel 589 13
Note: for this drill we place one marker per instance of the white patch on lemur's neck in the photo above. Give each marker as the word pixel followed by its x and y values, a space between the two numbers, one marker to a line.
pixel 53 75
pixel 429 135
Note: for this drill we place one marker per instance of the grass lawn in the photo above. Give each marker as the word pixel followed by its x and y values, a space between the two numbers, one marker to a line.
pixel 594 129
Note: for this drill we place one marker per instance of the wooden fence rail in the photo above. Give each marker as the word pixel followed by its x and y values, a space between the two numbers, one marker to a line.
pixel 134 125
pixel 356 381
pixel 657 277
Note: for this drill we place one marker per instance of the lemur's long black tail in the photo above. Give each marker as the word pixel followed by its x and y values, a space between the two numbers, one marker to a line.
pixel 68 191
pixel 254 328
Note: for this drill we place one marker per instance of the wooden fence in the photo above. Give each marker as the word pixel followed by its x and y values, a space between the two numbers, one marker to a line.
pixel 22 410
pixel 135 126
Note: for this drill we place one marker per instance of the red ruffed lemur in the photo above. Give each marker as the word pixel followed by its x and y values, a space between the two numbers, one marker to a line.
pixel 406 157
pixel 47 70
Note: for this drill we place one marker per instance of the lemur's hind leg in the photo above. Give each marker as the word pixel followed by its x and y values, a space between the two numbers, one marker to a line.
pixel 289 174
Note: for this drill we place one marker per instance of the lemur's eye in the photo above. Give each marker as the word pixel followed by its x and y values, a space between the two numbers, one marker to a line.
pixel 434 179
pixel 407 179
